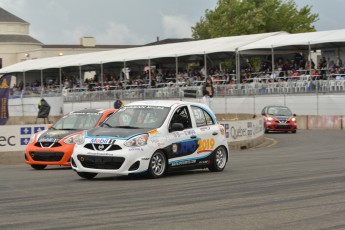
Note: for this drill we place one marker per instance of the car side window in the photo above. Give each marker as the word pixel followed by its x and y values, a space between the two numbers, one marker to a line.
pixel 202 118
pixel 181 115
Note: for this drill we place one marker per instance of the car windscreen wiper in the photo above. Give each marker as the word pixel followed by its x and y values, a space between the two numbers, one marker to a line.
pixel 126 127
pixel 106 124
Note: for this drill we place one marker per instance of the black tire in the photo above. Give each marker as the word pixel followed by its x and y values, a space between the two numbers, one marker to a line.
pixel 294 131
pixel 219 159
pixel 157 165
pixel 39 167
pixel 87 175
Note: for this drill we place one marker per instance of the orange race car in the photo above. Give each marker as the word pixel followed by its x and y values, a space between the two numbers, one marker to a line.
pixel 54 146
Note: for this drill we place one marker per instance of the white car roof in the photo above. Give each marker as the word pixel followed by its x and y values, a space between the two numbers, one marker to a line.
pixel 164 103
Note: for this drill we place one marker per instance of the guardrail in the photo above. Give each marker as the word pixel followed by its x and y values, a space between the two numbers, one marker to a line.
pixel 301 86
pixel 246 89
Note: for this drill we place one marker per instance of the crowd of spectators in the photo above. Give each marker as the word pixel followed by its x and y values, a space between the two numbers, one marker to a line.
pixel 284 69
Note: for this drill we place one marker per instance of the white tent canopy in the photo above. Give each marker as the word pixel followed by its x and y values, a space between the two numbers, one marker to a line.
pixel 291 41
pixel 201 47
pixel 248 43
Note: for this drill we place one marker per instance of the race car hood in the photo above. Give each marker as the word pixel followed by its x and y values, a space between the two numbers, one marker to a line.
pixel 115 132
pixel 283 118
pixel 56 135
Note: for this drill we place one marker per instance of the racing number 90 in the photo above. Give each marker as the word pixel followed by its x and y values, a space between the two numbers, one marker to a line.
pixel 206 144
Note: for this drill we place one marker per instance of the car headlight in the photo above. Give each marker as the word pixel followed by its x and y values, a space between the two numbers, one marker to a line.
pixel 32 138
pixel 293 119
pixel 81 139
pixel 137 141
pixel 72 139
pixel 270 118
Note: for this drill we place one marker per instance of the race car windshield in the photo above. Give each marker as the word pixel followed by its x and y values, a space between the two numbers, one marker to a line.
pixel 77 121
pixel 138 117
pixel 279 111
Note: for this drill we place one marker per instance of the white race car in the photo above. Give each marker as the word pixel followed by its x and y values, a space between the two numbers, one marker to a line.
pixel 152 137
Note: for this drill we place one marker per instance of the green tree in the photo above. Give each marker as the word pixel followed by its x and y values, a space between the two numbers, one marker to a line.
pixel 240 17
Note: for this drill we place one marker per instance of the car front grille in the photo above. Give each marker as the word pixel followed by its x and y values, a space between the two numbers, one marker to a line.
pixel 102 147
pixel 47 144
pixel 101 162
pixel 46 156
pixel 283 126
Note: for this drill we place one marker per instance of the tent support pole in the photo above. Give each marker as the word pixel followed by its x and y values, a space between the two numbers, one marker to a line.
pixel 273 67
pixel 149 72
pixel 23 91
pixel 80 83
pixel 41 82
pixel 237 61
pixel 176 67
pixel 124 70
pixel 60 78
pixel 102 75
pixel 205 64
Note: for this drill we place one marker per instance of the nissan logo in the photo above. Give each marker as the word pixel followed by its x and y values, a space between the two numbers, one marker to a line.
pixel 100 147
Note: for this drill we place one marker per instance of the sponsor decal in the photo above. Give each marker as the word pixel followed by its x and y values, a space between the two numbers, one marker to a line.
pixel 102 141
pixel 204 162
pixel 153 132
pixel 189 132
pixel 136 149
pixel 174 148
pixel 185 148
pixel 206 145
pixel 145 159
pixel 178 134
pixel 221 129
pixel 180 163
pixel 204 128
pixel 100 154
pixel 47 139
pixel 249 124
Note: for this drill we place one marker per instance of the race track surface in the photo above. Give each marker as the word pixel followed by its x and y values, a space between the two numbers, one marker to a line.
pixel 297 182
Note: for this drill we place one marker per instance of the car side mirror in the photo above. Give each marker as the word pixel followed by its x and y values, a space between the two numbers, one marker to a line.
pixel 177 127
pixel 294 114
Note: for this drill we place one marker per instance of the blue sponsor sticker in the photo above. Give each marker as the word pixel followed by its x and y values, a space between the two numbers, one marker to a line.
pixel 38 129
pixel 26 131
pixel 24 141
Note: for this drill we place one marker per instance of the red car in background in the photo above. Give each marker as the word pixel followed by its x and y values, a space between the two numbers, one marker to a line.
pixel 279 118
pixel 54 146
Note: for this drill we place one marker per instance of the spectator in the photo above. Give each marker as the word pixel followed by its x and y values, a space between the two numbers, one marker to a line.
pixel 118 103
pixel 208 92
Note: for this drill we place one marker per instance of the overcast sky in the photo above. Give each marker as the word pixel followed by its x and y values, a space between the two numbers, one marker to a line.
pixel 136 22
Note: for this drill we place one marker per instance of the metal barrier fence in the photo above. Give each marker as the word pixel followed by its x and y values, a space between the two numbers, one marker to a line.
pixel 246 89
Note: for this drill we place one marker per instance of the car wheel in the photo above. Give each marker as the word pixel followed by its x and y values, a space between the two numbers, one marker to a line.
pixel 158 165
pixel 87 175
pixel 294 131
pixel 39 167
pixel 219 160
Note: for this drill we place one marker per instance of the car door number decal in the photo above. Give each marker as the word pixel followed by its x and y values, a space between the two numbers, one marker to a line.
pixel 206 145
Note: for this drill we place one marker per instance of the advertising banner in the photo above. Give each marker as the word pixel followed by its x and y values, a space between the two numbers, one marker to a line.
pixel 5 82
pixel 243 129
pixel 16 137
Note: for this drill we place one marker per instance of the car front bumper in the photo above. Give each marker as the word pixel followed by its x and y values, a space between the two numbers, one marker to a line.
pixel 48 156
pixel 120 162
